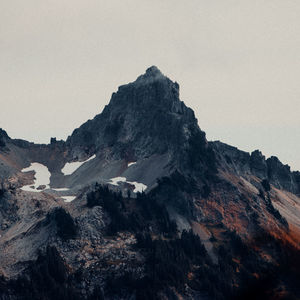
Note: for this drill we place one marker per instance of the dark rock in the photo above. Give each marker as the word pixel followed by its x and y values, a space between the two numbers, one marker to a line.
pixel 3 138
pixel 258 164
pixel 66 227
pixel 281 176
pixel 266 185
pixel 41 187
pixel 232 159
pixel 143 117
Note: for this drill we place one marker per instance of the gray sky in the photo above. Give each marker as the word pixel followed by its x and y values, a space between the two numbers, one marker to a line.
pixel 237 63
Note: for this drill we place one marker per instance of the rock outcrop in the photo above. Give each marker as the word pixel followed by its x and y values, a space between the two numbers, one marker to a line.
pixel 256 164
pixel 143 118
pixel 3 138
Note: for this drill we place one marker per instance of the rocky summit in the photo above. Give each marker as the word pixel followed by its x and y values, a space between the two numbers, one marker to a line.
pixel 137 204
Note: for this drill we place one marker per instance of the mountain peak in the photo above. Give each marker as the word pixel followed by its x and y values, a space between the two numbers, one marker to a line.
pixel 150 88
pixel 145 117
pixel 153 71
pixel 152 74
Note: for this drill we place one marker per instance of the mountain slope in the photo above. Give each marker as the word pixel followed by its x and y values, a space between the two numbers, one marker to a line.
pixel 159 212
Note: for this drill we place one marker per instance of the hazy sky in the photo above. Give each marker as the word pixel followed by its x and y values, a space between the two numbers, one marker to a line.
pixel 237 63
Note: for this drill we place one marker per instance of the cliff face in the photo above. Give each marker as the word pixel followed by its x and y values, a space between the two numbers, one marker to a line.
pixel 3 139
pixel 272 169
pixel 213 222
pixel 143 118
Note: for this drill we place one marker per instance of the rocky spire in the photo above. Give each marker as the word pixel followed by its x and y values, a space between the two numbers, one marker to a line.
pixel 152 73
pixel 154 79
pixel 3 138
pixel 144 117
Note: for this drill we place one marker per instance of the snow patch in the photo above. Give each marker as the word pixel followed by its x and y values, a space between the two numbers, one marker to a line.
pixel 70 168
pixel 68 198
pixel 41 177
pixel 130 164
pixel 138 186
pixel 114 181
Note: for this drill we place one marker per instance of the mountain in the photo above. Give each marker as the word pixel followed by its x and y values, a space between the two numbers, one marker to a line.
pixel 137 204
